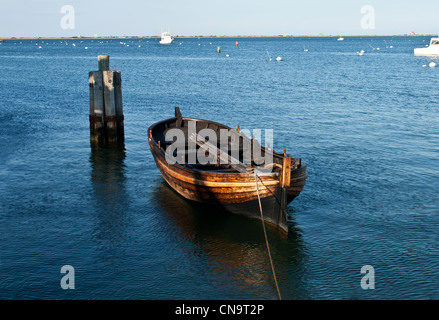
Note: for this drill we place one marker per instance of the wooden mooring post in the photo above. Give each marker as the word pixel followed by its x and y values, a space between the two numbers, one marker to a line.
pixel 106 112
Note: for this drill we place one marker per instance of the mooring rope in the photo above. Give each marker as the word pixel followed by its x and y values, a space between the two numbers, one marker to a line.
pixel 277 200
pixel 266 238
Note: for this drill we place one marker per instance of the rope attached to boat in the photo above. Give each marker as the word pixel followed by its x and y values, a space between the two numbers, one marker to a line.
pixel 275 197
pixel 266 238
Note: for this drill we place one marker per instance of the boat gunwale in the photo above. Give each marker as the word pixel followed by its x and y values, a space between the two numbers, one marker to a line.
pixel 208 179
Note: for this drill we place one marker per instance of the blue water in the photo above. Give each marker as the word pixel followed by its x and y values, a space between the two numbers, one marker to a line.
pixel 367 126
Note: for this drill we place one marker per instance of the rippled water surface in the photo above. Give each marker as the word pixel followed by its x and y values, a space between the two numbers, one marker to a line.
pixel 367 126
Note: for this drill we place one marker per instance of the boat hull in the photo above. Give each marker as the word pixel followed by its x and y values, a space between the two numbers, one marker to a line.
pixel 431 51
pixel 426 52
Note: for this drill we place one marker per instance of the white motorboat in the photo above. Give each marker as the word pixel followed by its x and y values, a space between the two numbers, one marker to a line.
pixel 166 38
pixel 431 50
pixel 340 39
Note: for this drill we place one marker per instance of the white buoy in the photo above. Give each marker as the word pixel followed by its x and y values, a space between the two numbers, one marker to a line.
pixel 227 55
pixel 432 64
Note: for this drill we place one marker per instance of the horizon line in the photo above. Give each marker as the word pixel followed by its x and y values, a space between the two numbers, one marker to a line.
pixel 217 36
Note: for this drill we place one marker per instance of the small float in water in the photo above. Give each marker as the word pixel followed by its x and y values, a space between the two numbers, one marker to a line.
pixel 269 57
pixel 391 47
pixel 432 64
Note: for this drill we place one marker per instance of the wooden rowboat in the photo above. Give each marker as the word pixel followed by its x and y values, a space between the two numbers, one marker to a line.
pixel 234 185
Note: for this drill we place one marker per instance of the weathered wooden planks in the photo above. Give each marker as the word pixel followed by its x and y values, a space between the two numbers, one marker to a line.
pixel 103 62
pixel 96 103
pixel 228 188
pixel 106 111
pixel 219 187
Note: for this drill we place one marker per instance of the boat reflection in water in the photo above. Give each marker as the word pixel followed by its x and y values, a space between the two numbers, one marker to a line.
pixel 235 251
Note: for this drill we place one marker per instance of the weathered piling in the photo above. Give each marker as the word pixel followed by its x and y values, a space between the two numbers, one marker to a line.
pixel 106 111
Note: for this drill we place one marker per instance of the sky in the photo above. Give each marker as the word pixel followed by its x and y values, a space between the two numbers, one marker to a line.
pixel 65 18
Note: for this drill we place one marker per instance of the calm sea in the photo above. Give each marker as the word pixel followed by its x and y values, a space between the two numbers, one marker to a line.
pixel 367 126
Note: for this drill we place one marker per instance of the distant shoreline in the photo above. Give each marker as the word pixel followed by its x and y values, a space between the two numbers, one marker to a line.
pixel 213 36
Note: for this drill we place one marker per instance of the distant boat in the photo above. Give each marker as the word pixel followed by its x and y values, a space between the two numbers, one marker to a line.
pixel 166 38
pixel 340 39
pixel 279 59
pixel 431 50
pixel 360 53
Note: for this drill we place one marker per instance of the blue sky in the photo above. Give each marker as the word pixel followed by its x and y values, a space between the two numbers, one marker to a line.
pixel 30 18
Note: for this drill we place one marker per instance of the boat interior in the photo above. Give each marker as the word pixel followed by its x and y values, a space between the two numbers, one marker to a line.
pixel 231 155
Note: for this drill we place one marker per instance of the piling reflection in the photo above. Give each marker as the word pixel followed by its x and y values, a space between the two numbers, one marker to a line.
pixel 234 247
pixel 108 180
